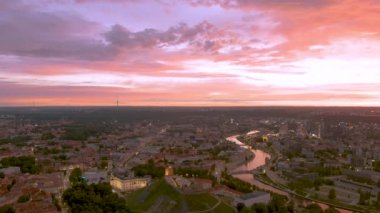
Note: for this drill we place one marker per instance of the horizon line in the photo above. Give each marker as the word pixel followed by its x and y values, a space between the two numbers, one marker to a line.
pixel 194 106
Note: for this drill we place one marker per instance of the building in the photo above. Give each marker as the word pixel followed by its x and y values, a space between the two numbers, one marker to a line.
pixel 178 181
pixel 169 171
pixel 95 176
pixel 255 197
pixel 11 171
pixel 125 184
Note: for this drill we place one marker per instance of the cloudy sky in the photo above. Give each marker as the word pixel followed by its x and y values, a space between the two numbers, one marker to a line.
pixel 190 52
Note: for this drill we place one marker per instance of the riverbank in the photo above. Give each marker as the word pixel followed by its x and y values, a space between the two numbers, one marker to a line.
pixel 260 160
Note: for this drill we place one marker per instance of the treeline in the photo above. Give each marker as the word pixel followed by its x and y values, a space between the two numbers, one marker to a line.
pixel 27 164
pixel 81 197
pixel 7 209
pixel 235 183
pixel 280 204
pixel 195 172
pixel 83 132
pixel 306 183
pixel 19 140
pixel 93 198
pixel 277 204
pixel 326 171
pixel 149 169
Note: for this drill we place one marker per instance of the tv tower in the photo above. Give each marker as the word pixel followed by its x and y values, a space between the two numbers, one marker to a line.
pixel 117 104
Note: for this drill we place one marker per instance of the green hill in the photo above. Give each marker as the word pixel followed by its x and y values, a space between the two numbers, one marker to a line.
pixel 161 197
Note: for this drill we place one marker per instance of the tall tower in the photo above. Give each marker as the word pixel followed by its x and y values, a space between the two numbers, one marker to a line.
pixel 117 104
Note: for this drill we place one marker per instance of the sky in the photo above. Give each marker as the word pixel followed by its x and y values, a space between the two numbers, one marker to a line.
pixel 190 52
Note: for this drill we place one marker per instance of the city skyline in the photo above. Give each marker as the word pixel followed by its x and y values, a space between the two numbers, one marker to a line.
pixel 190 53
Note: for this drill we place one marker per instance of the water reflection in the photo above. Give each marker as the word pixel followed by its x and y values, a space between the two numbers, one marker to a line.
pixel 258 160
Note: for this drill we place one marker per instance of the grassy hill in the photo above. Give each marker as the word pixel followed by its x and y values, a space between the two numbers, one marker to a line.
pixel 161 197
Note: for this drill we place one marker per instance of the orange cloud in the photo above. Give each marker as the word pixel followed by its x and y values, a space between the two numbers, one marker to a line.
pixel 264 52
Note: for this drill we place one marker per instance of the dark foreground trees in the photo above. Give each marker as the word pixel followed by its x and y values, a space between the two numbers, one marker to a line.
pixel 280 204
pixel 93 198
pixel 7 209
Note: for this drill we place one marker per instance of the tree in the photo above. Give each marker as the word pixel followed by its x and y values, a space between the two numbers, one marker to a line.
pixel 149 169
pixel 364 198
pixel 23 198
pixel 27 164
pixel 259 208
pixel 47 136
pixel 331 210
pixel 291 206
pixel 376 166
pixel 7 209
pixel 103 164
pixel 76 176
pixel 240 206
pixel 235 183
pixel 278 204
pixel 332 194
pixel 97 198
pixel 313 208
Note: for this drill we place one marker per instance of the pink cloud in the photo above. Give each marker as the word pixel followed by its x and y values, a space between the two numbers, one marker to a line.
pixel 252 53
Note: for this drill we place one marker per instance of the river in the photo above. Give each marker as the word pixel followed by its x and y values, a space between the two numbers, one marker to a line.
pixel 259 159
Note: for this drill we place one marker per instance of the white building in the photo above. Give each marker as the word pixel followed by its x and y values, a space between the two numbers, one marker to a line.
pixel 129 184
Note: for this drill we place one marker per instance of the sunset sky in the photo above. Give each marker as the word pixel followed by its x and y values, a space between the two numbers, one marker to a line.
pixel 190 52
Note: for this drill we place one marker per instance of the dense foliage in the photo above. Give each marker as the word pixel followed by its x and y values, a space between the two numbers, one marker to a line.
pixel 23 198
pixel 235 183
pixel 96 198
pixel 332 194
pixel 278 204
pixel 77 133
pixel 313 208
pixel 27 164
pixel 75 176
pixel 327 171
pixel 47 136
pixel 360 179
pixel 376 166
pixel 149 169
pixel 7 209
pixel 305 183
pixel 83 132
pixel 18 140
pixel 194 172
pixel 331 210
pixel 364 198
